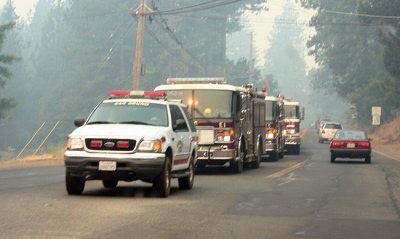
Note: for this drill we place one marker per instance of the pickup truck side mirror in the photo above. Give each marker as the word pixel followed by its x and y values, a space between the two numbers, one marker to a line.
pixel 79 122
pixel 179 124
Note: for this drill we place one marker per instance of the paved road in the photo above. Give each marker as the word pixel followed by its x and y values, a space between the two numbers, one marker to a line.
pixel 298 197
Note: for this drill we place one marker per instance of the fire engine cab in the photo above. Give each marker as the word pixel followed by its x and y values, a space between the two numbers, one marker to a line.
pixel 229 120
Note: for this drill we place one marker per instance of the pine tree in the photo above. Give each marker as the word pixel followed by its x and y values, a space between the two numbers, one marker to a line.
pixel 6 104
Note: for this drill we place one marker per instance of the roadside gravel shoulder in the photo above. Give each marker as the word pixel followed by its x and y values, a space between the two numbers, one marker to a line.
pixel 389 149
pixel 28 163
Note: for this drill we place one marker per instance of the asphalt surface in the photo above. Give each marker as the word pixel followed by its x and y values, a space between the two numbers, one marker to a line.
pixel 300 196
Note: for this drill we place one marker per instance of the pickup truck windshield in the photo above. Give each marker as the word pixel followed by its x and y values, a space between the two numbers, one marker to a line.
pixel 124 112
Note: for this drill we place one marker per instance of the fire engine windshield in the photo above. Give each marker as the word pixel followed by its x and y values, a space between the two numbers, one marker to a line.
pixel 124 112
pixel 269 110
pixel 292 112
pixel 205 103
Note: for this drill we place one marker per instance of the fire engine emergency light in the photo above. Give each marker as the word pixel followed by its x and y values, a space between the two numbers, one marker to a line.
pixel 198 80
pixel 137 94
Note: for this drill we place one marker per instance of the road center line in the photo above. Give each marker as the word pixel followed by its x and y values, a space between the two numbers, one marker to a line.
pixel 287 170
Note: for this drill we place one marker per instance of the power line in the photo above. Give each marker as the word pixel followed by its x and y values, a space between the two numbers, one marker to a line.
pixel 177 41
pixel 196 7
pixel 361 14
pixel 154 36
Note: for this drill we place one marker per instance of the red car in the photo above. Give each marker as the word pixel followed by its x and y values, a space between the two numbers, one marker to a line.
pixel 350 144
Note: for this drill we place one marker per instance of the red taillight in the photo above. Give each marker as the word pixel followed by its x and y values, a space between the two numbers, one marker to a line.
pixel 225 135
pixel 123 144
pixel 96 143
pixel 364 144
pixel 337 144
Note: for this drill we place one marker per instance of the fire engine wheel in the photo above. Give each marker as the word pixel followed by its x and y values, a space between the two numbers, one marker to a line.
pixel 280 154
pixel 297 149
pixel 257 159
pixel 237 166
pixel 162 183
pixel 274 156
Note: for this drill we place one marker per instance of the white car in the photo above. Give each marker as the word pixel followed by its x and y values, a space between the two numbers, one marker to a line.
pixel 130 139
pixel 328 130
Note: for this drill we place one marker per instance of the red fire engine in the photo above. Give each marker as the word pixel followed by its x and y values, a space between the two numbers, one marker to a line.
pixel 274 126
pixel 229 120
pixel 292 120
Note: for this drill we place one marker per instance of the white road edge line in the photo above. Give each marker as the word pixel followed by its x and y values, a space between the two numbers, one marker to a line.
pixel 383 154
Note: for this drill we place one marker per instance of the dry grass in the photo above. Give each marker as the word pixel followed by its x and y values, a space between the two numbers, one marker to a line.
pixel 388 133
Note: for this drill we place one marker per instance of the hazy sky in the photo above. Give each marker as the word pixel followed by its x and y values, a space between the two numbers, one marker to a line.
pixel 260 24
pixel 22 7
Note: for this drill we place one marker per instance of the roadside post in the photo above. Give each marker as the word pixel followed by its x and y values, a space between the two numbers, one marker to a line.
pixel 376 116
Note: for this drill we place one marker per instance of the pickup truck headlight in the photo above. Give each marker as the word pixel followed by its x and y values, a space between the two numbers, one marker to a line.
pixel 150 146
pixel 74 144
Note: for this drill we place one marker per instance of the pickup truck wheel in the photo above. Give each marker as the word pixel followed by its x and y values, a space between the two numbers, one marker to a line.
pixel 187 182
pixel 74 185
pixel 110 183
pixel 162 183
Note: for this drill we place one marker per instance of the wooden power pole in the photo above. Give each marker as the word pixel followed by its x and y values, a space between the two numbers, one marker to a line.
pixel 251 67
pixel 137 63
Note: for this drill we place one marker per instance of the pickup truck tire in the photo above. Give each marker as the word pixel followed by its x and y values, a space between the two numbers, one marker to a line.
pixel 162 183
pixel 74 185
pixel 187 182
pixel 110 183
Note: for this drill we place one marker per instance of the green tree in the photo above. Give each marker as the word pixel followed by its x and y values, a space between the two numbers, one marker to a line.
pixel 352 51
pixel 79 50
pixel 6 104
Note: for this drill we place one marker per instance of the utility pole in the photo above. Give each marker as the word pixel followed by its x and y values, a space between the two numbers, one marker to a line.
pixel 137 63
pixel 251 68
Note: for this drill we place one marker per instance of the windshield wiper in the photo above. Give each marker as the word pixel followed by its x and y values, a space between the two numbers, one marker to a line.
pixel 100 122
pixel 202 115
pixel 134 122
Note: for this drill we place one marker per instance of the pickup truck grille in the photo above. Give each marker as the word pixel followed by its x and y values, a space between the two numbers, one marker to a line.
pixel 110 144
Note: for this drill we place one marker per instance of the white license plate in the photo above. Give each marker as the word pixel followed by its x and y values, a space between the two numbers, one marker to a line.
pixel 351 145
pixel 107 165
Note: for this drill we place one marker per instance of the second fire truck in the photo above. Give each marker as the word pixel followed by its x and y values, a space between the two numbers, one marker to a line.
pixel 229 120
pixel 274 126
pixel 293 117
